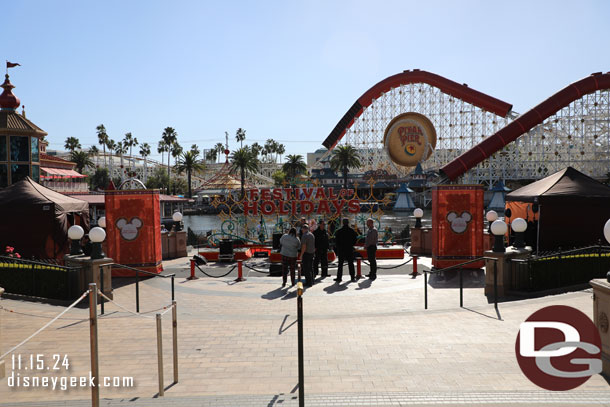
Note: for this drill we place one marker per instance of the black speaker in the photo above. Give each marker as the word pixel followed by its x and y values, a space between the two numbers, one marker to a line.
pixel 226 246
pixel 276 241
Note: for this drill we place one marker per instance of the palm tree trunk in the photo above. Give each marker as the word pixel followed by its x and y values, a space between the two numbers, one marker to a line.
pixel 243 183
pixel 105 162
pixel 145 171
pixel 345 170
pixel 188 175
pixel 169 180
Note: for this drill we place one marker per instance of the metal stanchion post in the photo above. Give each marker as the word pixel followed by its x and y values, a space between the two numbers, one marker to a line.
pixel 425 289
pixel 192 277
pixel 137 292
pixel 173 288
pixel 414 273
pixel 95 389
pixel 461 288
pixel 240 271
pixel 160 355
pixel 359 268
pixel 175 339
pixel 300 344
pixel 496 283
pixel 102 288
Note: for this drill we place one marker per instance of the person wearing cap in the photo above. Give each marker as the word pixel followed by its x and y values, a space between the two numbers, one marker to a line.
pixel 345 240
pixel 308 249
pixel 370 244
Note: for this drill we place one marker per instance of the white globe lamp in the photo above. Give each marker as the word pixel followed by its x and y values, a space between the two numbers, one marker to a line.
pixel 97 236
pixel 519 226
pixel 75 233
pixel 177 218
pixel 101 222
pixel 499 229
pixel 418 213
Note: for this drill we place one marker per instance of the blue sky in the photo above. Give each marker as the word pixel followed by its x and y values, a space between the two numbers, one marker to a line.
pixel 285 70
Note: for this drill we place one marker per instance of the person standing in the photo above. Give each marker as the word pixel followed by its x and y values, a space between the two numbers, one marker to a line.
pixel 308 249
pixel 290 245
pixel 345 240
pixel 321 257
pixel 370 244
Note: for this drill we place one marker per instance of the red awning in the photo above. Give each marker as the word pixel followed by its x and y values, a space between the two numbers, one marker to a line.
pixel 61 173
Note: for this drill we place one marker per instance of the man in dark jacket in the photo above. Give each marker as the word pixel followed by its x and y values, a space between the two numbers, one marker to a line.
pixel 346 239
pixel 321 250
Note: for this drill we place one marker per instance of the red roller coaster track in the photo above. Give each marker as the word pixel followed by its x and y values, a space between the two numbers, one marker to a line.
pixel 454 89
pixel 525 123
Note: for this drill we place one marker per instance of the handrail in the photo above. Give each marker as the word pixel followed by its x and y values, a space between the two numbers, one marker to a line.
pixel 572 251
pixel 461 264
pixel 138 270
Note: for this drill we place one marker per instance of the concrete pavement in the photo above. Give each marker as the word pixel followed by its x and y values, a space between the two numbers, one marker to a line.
pixel 365 344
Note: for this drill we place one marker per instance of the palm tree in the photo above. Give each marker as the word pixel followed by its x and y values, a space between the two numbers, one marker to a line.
pixel 344 158
pixel 220 149
pixel 294 166
pixel 176 151
pixel 189 162
pixel 111 144
pixel 102 138
pixel 281 149
pixel 145 152
pixel 244 162
pixel 195 150
pixel 211 155
pixel 130 141
pixel 72 143
pixel 269 148
pixel 169 137
pixel 240 135
pixel 82 160
pixel 256 148
pixel 121 148
pixel 94 152
pixel 162 148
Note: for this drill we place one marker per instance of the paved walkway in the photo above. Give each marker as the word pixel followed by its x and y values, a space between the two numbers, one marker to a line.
pixel 365 344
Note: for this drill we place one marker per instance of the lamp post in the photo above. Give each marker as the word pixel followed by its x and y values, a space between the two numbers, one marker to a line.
pixel 491 216
pixel 607 236
pixel 101 222
pixel 97 236
pixel 75 233
pixel 499 229
pixel 418 213
pixel 519 225
pixel 177 218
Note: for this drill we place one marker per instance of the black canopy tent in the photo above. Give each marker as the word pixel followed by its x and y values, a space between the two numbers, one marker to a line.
pixel 572 209
pixel 35 220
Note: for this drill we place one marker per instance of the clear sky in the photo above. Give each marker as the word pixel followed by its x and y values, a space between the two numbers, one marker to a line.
pixel 286 70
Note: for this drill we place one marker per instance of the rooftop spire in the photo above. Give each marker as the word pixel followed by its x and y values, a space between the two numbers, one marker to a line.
pixel 8 101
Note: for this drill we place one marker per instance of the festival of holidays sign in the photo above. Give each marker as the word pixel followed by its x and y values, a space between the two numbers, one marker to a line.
pixel 409 139
pixel 299 201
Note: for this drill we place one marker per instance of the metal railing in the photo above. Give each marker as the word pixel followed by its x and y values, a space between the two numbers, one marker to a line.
pixel 138 272
pixel 560 269
pixel 460 268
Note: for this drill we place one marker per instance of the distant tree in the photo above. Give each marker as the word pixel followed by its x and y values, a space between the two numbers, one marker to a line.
pixel 100 179
pixel 256 148
pixel 162 148
pixel 240 136
pixel 111 145
pixel 294 166
pixel 72 143
pixel 211 155
pixel 158 180
pixel 244 162
pixel 343 158
pixel 130 141
pixel 220 149
pixel 169 137
pixel 189 163
pixel 278 178
pixel 94 152
pixel 280 149
pixel 102 138
pixel 195 150
pixel 81 159
pixel 145 152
